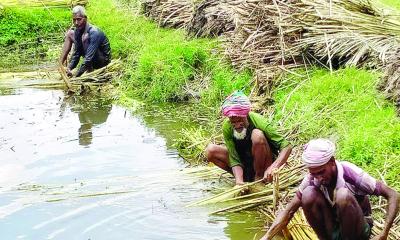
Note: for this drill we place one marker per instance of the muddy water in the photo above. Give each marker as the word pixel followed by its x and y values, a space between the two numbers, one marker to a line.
pixel 83 168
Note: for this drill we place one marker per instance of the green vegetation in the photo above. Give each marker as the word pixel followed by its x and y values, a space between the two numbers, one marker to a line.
pixel 27 34
pixel 21 25
pixel 391 3
pixel 346 107
pixel 161 64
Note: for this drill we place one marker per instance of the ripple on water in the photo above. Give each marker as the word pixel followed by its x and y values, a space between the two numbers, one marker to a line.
pixel 79 173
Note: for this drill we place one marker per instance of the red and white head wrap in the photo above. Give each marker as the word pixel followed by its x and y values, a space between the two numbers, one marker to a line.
pixel 236 105
pixel 318 152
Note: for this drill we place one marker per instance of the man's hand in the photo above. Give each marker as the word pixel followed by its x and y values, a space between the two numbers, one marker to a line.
pixel 283 218
pixel 268 174
pixel 69 73
pixel 380 237
pixel 243 190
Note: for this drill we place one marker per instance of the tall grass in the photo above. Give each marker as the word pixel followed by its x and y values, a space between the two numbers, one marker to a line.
pixel 346 107
pixel 27 34
pixel 161 64
pixel 21 25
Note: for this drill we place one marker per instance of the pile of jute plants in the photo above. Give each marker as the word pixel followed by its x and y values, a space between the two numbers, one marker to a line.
pixel 271 36
pixel 97 77
pixel 41 3
pixel 211 18
pixel 207 18
pixel 167 13
pixel 278 35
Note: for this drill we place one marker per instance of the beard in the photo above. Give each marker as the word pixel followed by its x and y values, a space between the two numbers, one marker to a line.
pixel 240 135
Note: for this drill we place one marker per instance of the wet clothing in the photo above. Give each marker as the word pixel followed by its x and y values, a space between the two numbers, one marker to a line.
pixel 349 176
pixel 240 150
pixel 93 45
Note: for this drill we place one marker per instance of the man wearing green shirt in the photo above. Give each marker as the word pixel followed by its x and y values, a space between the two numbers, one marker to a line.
pixel 253 148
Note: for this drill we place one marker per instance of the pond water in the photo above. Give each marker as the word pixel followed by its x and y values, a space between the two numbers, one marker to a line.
pixel 83 168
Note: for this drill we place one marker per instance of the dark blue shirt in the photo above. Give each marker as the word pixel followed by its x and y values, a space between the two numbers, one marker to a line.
pixel 94 48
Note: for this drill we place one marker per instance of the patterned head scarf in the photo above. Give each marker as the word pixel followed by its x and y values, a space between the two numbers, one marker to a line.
pixel 317 152
pixel 236 105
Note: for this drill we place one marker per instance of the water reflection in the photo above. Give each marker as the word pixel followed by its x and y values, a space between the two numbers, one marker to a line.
pixel 92 109
pixel 126 185
pixel 244 225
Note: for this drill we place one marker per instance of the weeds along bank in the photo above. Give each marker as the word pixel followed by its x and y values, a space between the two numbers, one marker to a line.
pixel 161 65
pixel 31 36
pixel 346 107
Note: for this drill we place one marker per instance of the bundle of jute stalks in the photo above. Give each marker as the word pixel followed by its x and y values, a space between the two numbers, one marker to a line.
pixel 101 75
pixel 97 77
pixel 212 18
pixel 169 13
pixel 261 37
pixel 42 3
pixel 259 194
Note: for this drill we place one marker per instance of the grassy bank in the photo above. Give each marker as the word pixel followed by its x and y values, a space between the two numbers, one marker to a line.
pixel 346 107
pixel 28 35
pixel 161 64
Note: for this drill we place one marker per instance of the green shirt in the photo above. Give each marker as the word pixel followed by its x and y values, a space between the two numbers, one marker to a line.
pixel 276 141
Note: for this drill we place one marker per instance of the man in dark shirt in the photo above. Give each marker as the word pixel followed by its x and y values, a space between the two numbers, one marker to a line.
pixel 89 42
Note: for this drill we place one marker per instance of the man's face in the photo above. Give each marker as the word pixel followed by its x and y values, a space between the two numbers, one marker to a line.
pixel 79 21
pixel 325 174
pixel 239 123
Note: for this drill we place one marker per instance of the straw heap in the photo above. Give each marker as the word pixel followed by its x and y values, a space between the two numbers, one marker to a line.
pixel 275 35
pixel 101 75
pixel 212 18
pixel 97 77
pixel 169 13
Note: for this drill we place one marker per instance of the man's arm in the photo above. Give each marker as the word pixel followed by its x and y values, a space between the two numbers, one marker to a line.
pixel 280 160
pixel 77 52
pixel 238 174
pixel 393 199
pixel 283 218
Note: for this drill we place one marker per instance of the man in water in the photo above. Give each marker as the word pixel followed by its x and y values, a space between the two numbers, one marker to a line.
pixel 253 148
pixel 334 197
pixel 89 42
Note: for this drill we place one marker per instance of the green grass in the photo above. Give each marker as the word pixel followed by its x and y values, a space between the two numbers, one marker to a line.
pixel 395 4
pixel 19 25
pixel 27 34
pixel 346 107
pixel 161 64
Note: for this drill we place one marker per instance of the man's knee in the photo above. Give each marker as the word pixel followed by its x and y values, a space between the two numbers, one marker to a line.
pixel 211 150
pixel 311 196
pixel 258 137
pixel 343 197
